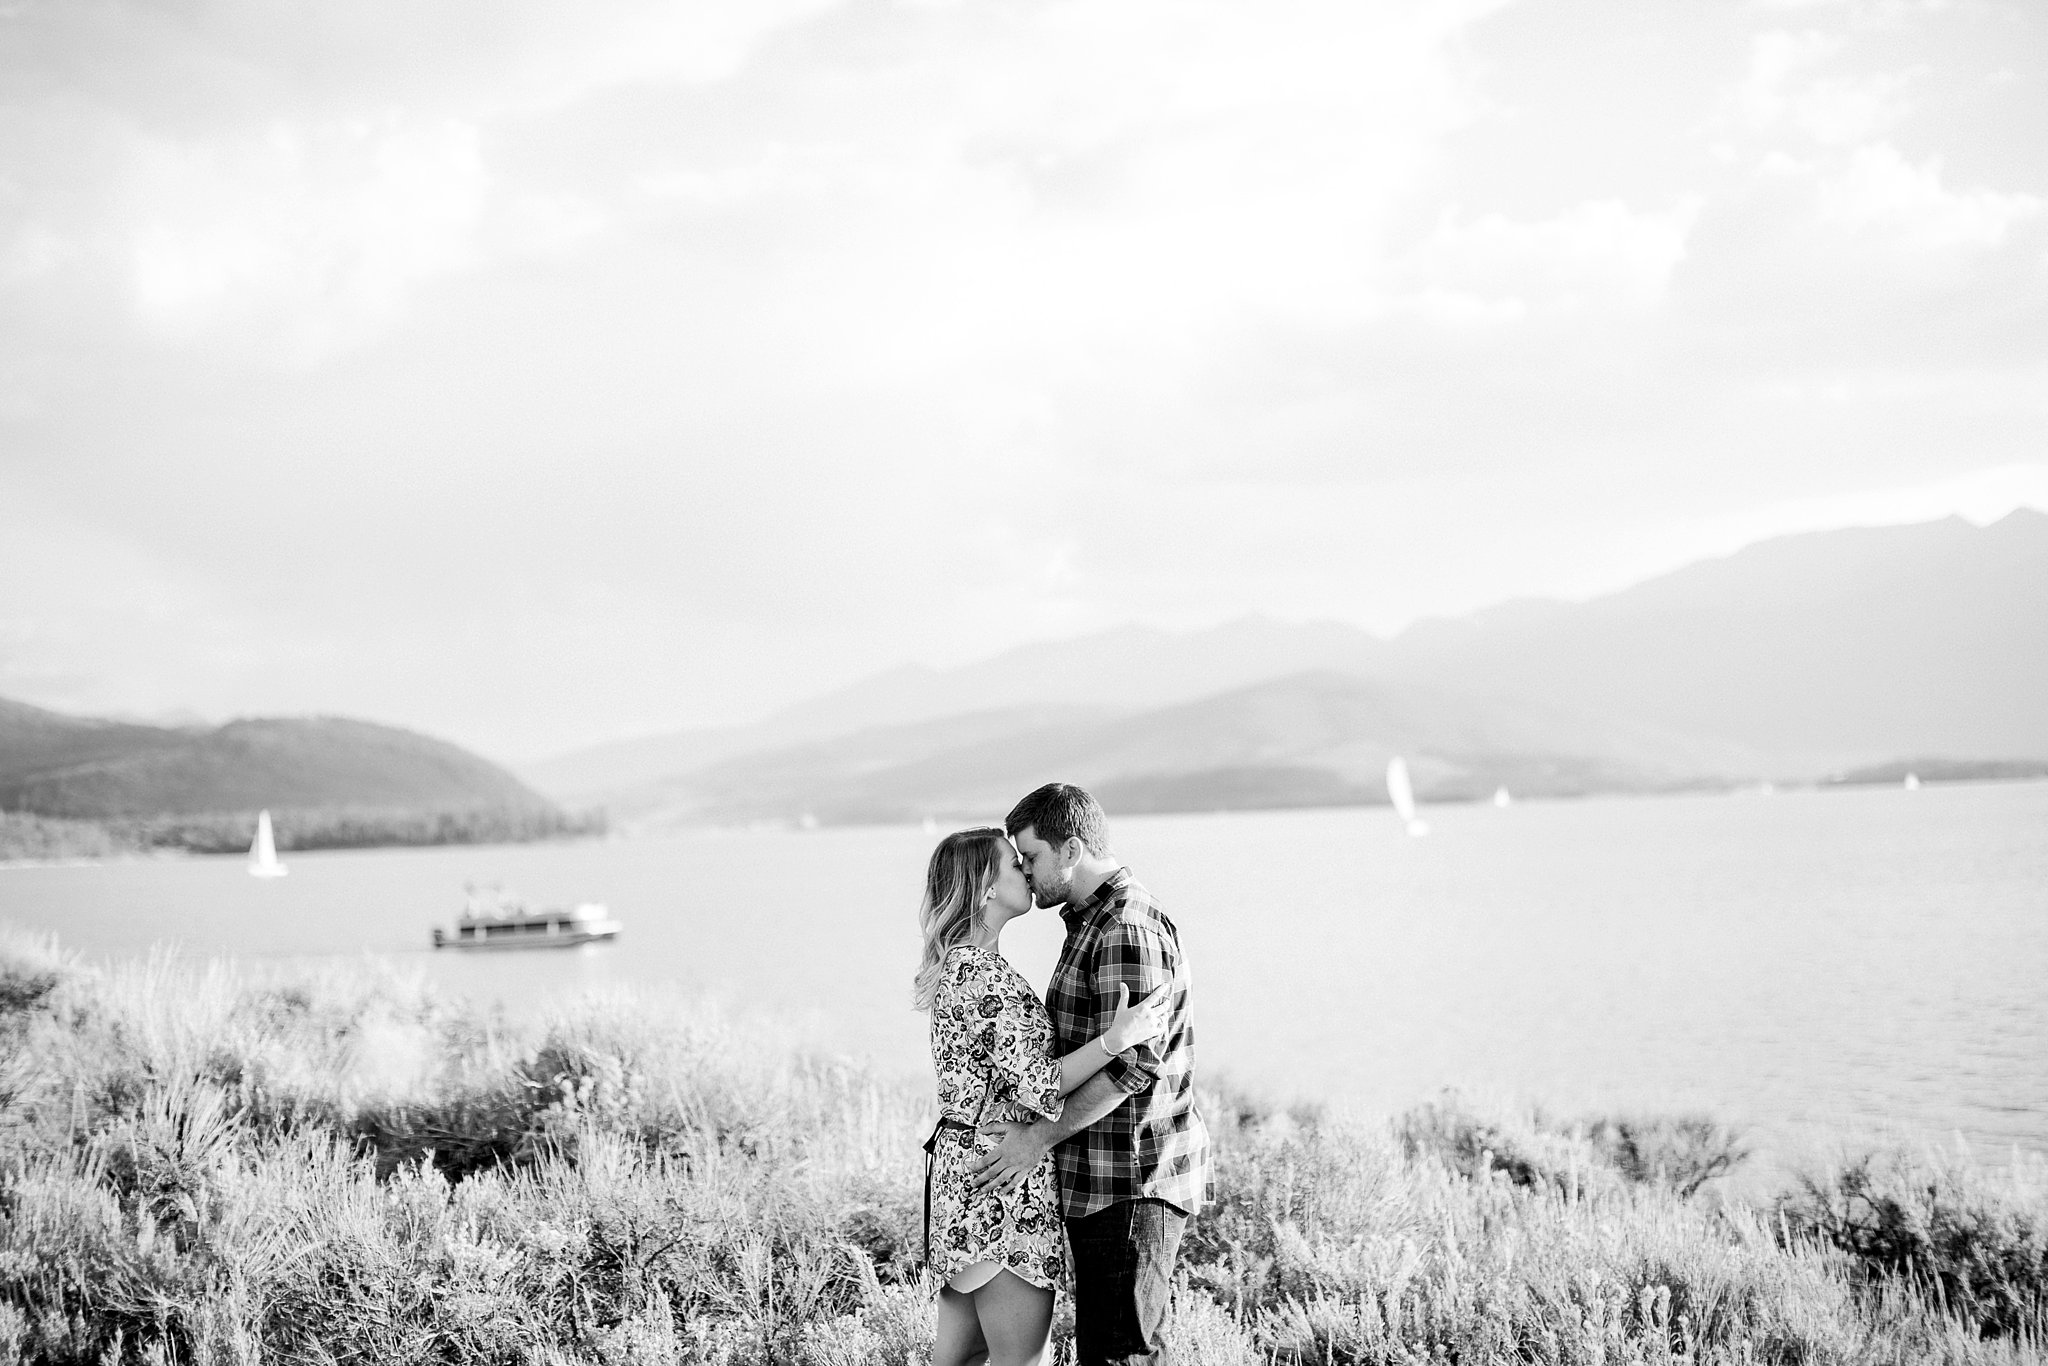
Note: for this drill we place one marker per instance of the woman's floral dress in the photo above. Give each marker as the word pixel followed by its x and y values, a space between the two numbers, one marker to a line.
pixel 991 1038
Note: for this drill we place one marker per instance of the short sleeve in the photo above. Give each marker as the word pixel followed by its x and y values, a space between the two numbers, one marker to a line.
pixel 1141 959
pixel 1018 1055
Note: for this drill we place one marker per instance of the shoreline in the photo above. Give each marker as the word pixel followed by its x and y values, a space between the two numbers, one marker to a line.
pixel 599 826
pixel 1782 1145
pixel 28 836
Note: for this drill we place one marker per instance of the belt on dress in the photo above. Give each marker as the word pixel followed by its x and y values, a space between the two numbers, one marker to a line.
pixel 931 1146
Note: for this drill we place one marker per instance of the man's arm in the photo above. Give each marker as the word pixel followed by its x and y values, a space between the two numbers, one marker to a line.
pixel 1135 958
pixel 1025 1145
pixel 1130 961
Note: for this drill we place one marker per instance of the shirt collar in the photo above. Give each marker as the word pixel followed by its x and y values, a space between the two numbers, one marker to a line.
pixel 1111 886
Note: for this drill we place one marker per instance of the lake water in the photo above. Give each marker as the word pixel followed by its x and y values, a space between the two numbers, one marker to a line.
pixel 1861 963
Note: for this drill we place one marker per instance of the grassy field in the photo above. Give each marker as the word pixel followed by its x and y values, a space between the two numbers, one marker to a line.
pixel 209 1164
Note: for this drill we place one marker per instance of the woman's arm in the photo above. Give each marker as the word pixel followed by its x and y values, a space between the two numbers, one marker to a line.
pixel 1133 1025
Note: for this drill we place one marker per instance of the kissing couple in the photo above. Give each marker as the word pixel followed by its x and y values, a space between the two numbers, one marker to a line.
pixel 1065 1124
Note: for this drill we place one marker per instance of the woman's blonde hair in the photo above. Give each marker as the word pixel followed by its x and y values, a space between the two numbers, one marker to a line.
pixel 963 867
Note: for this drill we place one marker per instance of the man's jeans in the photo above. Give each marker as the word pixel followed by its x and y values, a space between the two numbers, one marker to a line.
pixel 1123 1282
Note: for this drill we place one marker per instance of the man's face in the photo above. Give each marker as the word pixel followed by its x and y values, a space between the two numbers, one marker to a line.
pixel 1051 879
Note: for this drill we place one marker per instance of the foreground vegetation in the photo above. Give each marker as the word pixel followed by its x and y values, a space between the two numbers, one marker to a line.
pixel 24 835
pixel 205 1164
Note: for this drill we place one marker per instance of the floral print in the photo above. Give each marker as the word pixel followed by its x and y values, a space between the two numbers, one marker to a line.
pixel 992 1046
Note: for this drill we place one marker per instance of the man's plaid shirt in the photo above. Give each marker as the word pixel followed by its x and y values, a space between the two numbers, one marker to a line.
pixel 1153 1145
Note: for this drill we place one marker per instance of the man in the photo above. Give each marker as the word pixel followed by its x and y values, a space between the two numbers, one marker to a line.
pixel 1132 1154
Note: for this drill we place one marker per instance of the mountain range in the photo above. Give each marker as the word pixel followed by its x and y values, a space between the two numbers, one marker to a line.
pixel 1790 660
pixel 1833 656
pixel 82 768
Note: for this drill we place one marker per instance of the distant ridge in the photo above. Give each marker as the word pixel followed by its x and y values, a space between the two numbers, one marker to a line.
pixel 82 768
pixel 1130 668
pixel 1938 770
pixel 1313 739
pixel 1790 660
pixel 1826 650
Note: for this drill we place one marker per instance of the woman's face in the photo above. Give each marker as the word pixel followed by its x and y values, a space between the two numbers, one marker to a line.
pixel 1011 894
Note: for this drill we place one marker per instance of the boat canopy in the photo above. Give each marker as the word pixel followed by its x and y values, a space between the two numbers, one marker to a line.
pixel 492 907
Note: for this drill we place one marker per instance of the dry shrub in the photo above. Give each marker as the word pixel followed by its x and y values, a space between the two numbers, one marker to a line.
pixel 207 1165
pixel 1974 1241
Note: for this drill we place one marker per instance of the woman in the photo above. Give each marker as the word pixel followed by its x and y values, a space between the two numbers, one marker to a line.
pixel 1000 1254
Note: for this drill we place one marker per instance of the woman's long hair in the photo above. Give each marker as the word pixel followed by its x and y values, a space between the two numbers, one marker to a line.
pixel 963 868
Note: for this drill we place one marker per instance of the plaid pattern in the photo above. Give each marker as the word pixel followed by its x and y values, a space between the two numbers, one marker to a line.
pixel 1153 1145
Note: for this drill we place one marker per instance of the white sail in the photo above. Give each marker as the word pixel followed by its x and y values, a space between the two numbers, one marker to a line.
pixel 1501 797
pixel 263 851
pixel 1402 794
pixel 1912 781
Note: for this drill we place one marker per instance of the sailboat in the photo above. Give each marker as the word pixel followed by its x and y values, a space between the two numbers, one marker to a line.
pixel 1912 782
pixel 1402 793
pixel 263 851
pixel 1501 797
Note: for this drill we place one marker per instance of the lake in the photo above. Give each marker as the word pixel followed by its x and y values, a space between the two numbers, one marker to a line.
pixel 1866 963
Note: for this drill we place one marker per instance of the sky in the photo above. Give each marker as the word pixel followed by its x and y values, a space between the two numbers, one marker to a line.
pixel 535 375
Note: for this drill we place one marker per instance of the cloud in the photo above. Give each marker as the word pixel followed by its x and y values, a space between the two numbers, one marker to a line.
pixel 1784 89
pixel 1830 114
pixel 1000 201
pixel 209 64
pixel 1775 59
pixel 649 361
pixel 34 252
pixel 311 235
pixel 80 604
pixel 1843 111
pixel 1981 496
pixel 1878 191
pixel 281 184
pixel 568 54
pixel 1597 255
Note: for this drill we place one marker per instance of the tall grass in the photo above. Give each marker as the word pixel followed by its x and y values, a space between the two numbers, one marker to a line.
pixel 210 1164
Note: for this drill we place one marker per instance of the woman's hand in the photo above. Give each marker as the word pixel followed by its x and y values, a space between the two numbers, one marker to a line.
pixel 1134 1024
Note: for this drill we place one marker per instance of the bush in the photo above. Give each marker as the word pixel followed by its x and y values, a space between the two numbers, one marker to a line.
pixel 1679 1152
pixel 209 1165
pixel 1974 1242
pixel 1682 1152
pixel 1521 1147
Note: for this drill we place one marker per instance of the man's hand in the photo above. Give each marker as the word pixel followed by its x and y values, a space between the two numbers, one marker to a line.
pixel 1004 1169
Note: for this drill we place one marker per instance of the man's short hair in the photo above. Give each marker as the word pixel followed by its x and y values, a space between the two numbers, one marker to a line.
pixel 1059 812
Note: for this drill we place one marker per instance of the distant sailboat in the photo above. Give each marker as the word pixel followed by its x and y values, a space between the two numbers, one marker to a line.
pixel 1402 793
pixel 263 851
pixel 1912 782
pixel 1501 797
